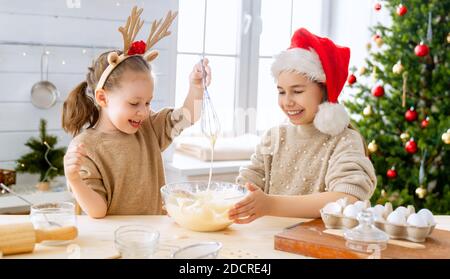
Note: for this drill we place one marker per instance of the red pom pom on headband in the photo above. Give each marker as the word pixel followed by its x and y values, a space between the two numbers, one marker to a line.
pixel 138 47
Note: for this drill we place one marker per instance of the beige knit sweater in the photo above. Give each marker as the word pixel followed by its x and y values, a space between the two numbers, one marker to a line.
pixel 127 170
pixel 299 160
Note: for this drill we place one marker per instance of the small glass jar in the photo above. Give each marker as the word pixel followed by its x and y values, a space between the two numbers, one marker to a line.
pixel 366 237
pixel 136 241
pixel 48 216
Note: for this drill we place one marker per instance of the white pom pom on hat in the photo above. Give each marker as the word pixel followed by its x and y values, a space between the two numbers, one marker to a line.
pixel 331 119
pixel 321 60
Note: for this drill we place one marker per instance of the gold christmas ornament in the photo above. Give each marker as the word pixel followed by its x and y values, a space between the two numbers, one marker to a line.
pixel 397 68
pixel 404 137
pixel 446 137
pixel 368 46
pixel 374 75
pixel 362 70
pixel 367 110
pixel 448 38
pixel 373 146
pixel 383 193
pixel 421 192
pixel 379 42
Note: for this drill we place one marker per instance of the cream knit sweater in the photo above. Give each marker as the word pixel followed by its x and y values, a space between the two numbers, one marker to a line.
pixel 299 160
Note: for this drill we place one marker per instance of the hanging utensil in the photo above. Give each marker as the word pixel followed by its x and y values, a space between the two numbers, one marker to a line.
pixel 44 93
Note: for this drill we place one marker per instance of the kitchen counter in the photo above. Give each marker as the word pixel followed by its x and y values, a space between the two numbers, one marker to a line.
pixel 96 237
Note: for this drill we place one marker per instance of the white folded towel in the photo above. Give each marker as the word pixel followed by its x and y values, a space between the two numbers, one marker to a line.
pixel 225 149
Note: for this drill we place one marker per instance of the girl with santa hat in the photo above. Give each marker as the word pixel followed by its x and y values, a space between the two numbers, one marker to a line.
pixel 317 157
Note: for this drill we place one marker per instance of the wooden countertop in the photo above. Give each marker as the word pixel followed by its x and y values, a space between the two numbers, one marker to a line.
pixel 96 237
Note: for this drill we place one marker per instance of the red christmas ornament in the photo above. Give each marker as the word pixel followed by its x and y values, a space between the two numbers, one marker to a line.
pixel 411 115
pixel 411 146
pixel 401 10
pixel 376 37
pixel 351 79
pixel 137 48
pixel 377 7
pixel 425 123
pixel 391 173
pixel 421 50
pixel 378 91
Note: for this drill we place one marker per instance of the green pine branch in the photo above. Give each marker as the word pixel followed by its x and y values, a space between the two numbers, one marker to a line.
pixel 34 162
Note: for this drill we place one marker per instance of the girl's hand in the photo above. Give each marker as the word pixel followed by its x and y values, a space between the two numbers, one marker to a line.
pixel 196 75
pixel 72 162
pixel 250 208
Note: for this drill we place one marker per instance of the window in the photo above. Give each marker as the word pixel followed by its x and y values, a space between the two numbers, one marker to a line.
pixel 280 19
pixel 210 28
pixel 240 38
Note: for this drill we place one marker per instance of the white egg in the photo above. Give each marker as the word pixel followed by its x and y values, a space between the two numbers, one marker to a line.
pixel 427 215
pixel 342 202
pixel 378 218
pixel 402 209
pixel 351 211
pixel 360 205
pixel 379 209
pixel 397 218
pixel 417 220
pixel 332 208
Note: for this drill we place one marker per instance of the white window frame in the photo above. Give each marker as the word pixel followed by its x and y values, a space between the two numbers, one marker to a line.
pixel 247 57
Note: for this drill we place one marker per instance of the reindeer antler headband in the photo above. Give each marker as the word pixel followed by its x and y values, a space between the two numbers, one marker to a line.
pixel 131 47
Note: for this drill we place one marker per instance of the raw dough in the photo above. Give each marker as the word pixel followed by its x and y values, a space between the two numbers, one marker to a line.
pixel 203 211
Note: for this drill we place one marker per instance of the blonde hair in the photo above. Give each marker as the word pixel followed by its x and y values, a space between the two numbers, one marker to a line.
pixel 79 108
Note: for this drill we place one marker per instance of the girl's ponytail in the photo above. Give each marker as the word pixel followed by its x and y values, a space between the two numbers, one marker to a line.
pixel 78 110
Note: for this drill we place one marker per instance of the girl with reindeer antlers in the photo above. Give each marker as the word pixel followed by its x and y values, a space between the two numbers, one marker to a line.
pixel 113 164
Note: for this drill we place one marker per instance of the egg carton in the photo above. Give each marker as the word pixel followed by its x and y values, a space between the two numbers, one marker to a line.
pixel 385 218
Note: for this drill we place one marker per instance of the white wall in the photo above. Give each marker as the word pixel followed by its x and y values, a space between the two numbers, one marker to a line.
pixel 349 25
pixel 29 27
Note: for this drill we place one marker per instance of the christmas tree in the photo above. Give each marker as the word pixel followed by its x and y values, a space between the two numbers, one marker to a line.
pixel 44 159
pixel 402 104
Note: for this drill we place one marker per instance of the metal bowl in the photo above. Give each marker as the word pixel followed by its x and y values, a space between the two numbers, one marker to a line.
pixel 202 250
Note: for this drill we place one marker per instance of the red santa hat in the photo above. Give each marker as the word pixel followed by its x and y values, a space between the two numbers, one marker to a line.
pixel 322 61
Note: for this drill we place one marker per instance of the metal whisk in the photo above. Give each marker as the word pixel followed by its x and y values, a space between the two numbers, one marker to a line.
pixel 210 121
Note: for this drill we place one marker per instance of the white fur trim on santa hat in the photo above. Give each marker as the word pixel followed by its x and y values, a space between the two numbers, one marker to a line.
pixel 299 60
pixel 331 118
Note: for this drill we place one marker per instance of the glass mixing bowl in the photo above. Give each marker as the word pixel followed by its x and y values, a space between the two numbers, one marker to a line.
pixel 48 216
pixel 136 241
pixel 193 206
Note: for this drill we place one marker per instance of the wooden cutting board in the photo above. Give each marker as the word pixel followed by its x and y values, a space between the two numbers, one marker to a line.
pixel 312 239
